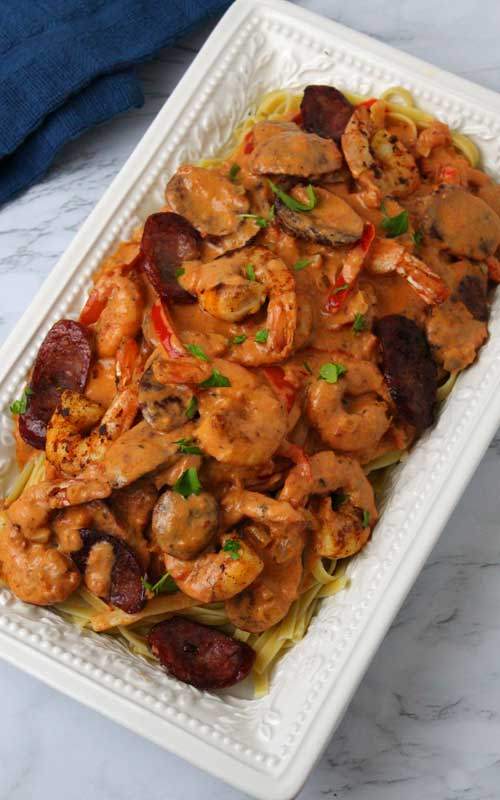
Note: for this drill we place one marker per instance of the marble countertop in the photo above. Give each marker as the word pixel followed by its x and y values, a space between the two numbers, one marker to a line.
pixel 425 722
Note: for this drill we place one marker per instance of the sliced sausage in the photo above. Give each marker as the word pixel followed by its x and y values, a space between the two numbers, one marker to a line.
pixel 199 655
pixel 409 369
pixel 331 222
pixel 168 240
pixel 125 587
pixel 325 111
pixel 63 362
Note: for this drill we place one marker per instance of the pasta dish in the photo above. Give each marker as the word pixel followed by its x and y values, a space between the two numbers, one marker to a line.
pixel 199 451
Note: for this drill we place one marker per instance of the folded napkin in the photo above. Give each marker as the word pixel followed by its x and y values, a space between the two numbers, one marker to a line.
pixel 66 65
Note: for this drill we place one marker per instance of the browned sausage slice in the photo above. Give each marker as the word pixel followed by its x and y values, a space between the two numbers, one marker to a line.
pixel 409 370
pixel 63 362
pixel 126 588
pixel 167 240
pixel 325 111
pixel 199 655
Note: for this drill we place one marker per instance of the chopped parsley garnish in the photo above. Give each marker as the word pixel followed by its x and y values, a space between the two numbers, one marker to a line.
pixel 233 172
pixel 291 202
pixel 308 368
pixel 302 263
pixel 187 448
pixel 188 483
pixel 192 408
pixel 331 372
pixel 359 323
pixel 417 238
pixel 395 226
pixel 242 337
pixel 197 351
pixel 179 272
pixel 338 497
pixel 215 379
pixel 341 288
pixel 366 518
pixel 20 406
pixel 262 222
pixel 250 272
pixel 165 584
pixel 262 336
pixel 233 547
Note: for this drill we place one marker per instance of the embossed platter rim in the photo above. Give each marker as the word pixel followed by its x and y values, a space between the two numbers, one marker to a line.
pixel 268 745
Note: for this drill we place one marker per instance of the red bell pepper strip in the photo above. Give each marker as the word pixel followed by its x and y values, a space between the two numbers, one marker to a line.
pixel 93 308
pixel 368 103
pixel 283 388
pixel 164 329
pixel 248 143
pixel 352 266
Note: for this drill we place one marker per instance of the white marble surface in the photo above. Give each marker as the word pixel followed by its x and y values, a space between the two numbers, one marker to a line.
pixel 425 722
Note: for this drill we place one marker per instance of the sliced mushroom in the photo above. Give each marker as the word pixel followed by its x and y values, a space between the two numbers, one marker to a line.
pixel 331 222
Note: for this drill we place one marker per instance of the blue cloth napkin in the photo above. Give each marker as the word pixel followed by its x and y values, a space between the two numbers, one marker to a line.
pixel 66 65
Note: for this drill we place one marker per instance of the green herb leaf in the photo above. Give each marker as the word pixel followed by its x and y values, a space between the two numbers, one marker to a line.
pixel 262 222
pixel 215 379
pixel 308 368
pixel 359 323
pixel 20 406
pixel 262 336
pixel 233 547
pixel 188 483
pixel 233 172
pixel 179 272
pixel 165 584
pixel 192 408
pixel 366 518
pixel 338 497
pixel 197 351
pixel 187 448
pixel 340 288
pixel 302 263
pixel 250 272
pixel 395 226
pixel 417 238
pixel 291 202
pixel 242 337
pixel 331 372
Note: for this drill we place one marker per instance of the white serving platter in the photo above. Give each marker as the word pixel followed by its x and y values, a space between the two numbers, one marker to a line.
pixel 264 747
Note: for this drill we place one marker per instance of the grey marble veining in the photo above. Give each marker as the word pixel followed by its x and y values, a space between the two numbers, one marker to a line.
pixel 425 722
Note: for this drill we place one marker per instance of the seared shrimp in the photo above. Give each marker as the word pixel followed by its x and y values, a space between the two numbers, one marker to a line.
pixel 268 599
pixel 388 256
pixel 436 135
pixel 377 159
pixel 69 446
pixel 217 576
pixel 37 573
pixel 236 286
pixel 360 425
pixel 115 308
pixel 233 427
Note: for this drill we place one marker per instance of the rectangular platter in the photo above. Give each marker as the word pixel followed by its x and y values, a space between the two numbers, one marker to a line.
pixel 264 747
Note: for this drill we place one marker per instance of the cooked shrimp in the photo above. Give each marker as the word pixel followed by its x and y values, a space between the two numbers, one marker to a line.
pixel 236 286
pixel 356 426
pixel 70 447
pixel 115 309
pixel 210 201
pixel 233 427
pixel 283 523
pixel 325 473
pixel 217 576
pixel 183 527
pixel 377 159
pixel 436 135
pixel 268 599
pixel 388 256
pixel 341 531
pixel 37 573
pixel 164 405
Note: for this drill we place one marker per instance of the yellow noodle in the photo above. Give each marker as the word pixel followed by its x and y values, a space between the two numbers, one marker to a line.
pixel 165 604
pixel 22 479
pixel 444 390
pixel 386 460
